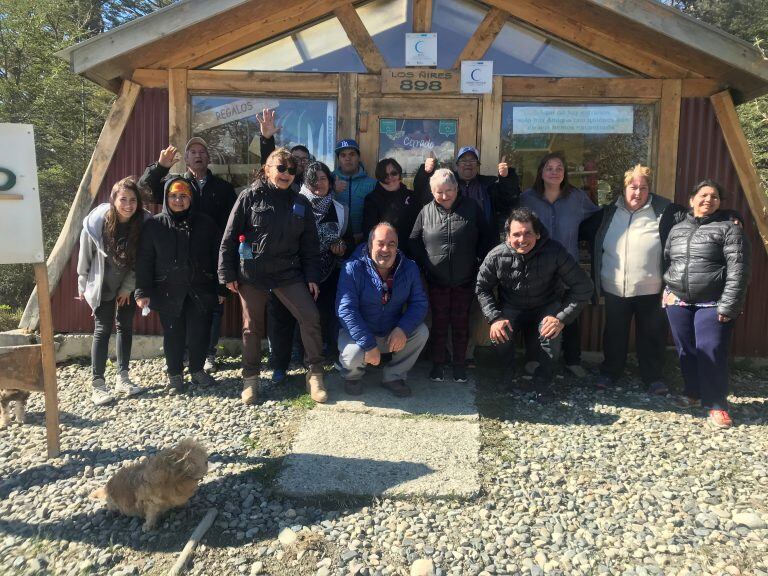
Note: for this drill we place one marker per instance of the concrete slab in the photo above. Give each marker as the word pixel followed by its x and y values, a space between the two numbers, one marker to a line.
pixel 446 399
pixel 338 452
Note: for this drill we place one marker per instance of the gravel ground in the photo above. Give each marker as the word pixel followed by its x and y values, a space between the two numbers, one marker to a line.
pixel 591 483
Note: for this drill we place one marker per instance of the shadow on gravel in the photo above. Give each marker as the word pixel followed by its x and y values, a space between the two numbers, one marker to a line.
pixel 65 418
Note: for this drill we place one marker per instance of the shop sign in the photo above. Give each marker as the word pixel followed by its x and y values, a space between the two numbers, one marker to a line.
pixel 21 228
pixel 231 112
pixel 419 81
pixel 421 49
pixel 573 120
pixel 476 76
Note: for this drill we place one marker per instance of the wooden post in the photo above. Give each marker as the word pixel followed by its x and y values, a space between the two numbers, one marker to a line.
pixel 86 193
pixel 178 114
pixel 490 136
pixel 48 357
pixel 360 38
pixel 483 37
pixel 669 132
pixel 347 123
pixel 742 158
pixel 422 15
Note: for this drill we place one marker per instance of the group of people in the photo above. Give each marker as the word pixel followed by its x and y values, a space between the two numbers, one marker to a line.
pixel 358 263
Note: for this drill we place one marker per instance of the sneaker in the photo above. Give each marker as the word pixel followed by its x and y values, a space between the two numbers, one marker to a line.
pixel 436 374
pixel 100 394
pixel 176 384
pixel 459 373
pixel 530 367
pixel 353 387
pixel 210 365
pixel 398 388
pixel 124 385
pixel 470 363
pixel 316 387
pixel 720 419
pixel 576 370
pixel 657 388
pixel 250 391
pixel 604 382
pixel 278 376
pixel 202 378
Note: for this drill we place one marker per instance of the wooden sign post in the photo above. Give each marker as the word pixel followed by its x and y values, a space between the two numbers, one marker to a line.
pixel 31 367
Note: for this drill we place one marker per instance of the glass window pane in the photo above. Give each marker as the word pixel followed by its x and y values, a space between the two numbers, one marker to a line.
pixel 455 21
pixel 228 125
pixel 600 142
pixel 323 47
pixel 387 21
pixel 409 141
pixel 521 51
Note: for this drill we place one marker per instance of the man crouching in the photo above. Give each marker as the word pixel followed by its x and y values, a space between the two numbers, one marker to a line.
pixel 382 305
pixel 539 284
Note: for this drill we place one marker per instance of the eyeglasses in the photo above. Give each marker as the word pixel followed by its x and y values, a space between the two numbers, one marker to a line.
pixel 393 174
pixel 300 159
pixel 282 168
pixel 468 162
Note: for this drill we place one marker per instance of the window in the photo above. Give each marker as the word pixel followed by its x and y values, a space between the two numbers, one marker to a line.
pixel 387 21
pixel 228 125
pixel 455 21
pixel 600 141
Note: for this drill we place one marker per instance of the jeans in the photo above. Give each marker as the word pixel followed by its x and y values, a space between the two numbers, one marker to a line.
pixel 104 317
pixel 352 356
pixel 191 329
pixel 703 343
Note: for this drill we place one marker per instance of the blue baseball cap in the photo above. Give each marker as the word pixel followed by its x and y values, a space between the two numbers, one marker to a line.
pixel 466 150
pixel 346 143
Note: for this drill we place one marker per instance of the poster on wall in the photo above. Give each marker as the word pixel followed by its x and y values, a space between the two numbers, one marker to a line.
pixel 476 76
pixel 21 228
pixel 573 120
pixel 421 49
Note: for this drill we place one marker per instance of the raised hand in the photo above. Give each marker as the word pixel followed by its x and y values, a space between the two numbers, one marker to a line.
pixel 430 163
pixel 503 167
pixel 267 124
pixel 168 156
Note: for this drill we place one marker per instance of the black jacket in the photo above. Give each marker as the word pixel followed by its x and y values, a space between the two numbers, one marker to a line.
pixel 280 227
pixel 708 259
pixel 448 245
pixel 215 199
pixel 178 258
pixel 504 194
pixel 532 280
pixel 399 208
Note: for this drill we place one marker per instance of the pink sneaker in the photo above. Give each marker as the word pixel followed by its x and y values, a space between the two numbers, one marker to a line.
pixel 720 419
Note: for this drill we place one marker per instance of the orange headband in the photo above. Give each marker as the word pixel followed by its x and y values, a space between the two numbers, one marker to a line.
pixel 180 187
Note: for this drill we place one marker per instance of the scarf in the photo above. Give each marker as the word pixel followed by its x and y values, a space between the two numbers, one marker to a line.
pixel 327 232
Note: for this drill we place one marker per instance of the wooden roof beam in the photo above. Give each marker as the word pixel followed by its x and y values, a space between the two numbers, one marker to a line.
pixel 360 38
pixel 422 15
pixel 483 37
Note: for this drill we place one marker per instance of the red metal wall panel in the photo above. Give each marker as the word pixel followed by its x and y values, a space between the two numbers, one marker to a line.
pixel 703 154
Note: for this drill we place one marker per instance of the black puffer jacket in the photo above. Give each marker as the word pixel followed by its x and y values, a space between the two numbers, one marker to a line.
pixel 280 227
pixel 400 208
pixel 448 244
pixel 708 259
pixel 527 281
pixel 176 258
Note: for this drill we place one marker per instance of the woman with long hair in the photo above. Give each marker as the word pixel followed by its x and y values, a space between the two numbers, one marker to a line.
pixel 106 280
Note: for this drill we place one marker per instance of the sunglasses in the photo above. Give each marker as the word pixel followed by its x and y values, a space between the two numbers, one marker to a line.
pixel 282 168
pixel 393 174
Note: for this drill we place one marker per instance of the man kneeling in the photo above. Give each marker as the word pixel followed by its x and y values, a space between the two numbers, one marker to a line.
pixel 382 305
pixel 530 270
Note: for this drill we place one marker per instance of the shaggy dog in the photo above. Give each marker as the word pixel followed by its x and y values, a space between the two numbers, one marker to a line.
pixel 6 397
pixel 161 482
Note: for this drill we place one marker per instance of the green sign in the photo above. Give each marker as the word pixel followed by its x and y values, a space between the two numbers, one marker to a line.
pixel 447 127
pixel 10 180
pixel 388 126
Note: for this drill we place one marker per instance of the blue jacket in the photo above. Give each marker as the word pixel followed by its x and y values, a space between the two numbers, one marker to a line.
pixel 358 299
pixel 358 187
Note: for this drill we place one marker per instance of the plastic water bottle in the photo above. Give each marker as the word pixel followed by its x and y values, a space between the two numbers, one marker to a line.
pixel 245 250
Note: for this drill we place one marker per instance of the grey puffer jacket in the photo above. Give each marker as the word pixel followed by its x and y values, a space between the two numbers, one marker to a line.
pixel 527 281
pixel 708 260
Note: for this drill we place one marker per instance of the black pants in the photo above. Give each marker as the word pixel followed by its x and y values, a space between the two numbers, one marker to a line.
pixel 650 335
pixel 191 329
pixel 104 318
pixel 571 343
pixel 281 325
pixel 216 315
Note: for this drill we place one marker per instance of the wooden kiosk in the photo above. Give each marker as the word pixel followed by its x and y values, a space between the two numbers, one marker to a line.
pixel 609 82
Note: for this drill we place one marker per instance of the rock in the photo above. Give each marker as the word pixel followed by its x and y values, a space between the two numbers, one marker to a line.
pixel 751 520
pixel 257 568
pixel 423 567
pixel 287 537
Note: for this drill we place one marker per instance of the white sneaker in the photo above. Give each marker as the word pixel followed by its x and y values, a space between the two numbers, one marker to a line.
pixel 210 365
pixel 576 370
pixel 100 394
pixel 124 385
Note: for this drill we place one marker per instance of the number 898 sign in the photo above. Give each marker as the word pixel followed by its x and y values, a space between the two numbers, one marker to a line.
pixel 416 80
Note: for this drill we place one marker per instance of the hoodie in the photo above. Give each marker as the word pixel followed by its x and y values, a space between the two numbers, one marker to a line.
pixel 358 187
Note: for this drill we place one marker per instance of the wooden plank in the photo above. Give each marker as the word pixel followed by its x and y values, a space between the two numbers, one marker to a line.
pixel 347 106
pixel 701 87
pixel 422 15
pixel 360 38
pixel 420 81
pixel 21 368
pixel 743 160
pixel 86 192
pixel 150 78
pixel 178 114
pixel 490 135
pixel 582 87
pixel 263 82
pixel 481 40
pixel 551 17
pixel 48 361
pixel 669 132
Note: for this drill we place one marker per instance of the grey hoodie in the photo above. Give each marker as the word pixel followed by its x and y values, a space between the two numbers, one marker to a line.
pixel 92 257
